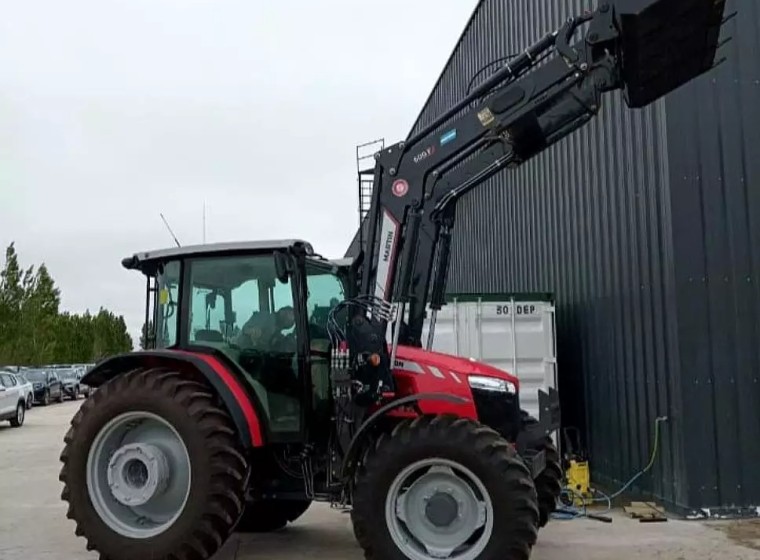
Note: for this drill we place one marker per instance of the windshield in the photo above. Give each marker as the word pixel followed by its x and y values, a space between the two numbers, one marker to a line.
pixel 67 374
pixel 38 376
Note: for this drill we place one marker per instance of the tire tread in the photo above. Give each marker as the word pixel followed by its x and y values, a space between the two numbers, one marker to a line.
pixel 494 453
pixel 228 469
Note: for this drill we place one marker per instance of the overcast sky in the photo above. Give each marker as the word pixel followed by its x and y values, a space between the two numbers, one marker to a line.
pixel 112 111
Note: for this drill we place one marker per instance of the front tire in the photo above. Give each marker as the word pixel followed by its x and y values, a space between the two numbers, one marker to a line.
pixel 152 468
pixel 444 487
pixel 270 515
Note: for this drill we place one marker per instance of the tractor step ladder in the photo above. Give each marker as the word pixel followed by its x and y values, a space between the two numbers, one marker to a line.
pixel 365 165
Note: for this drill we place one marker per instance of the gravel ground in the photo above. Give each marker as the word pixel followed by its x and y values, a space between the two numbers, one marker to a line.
pixel 33 522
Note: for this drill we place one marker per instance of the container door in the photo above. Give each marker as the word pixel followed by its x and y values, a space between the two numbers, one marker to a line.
pixel 451 330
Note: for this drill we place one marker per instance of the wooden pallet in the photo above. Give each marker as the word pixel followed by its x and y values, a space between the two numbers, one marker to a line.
pixel 646 512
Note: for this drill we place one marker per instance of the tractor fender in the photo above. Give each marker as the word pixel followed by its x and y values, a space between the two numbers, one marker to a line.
pixel 349 464
pixel 236 400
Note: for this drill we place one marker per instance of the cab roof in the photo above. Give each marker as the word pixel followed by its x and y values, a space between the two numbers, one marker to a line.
pixel 147 261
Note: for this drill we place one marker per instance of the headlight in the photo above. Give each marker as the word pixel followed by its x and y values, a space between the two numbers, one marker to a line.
pixel 491 384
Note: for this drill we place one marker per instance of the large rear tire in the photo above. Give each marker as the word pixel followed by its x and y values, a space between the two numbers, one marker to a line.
pixel 444 487
pixel 270 515
pixel 549 482
pixel 152 468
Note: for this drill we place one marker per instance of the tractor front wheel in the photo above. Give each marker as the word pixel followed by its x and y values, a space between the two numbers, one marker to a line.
pixel 270 515
pixel 152 469
pixel 444 487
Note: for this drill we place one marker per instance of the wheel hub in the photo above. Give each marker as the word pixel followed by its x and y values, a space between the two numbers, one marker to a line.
pixel 136 473
pixel 438 509
pixel 442 509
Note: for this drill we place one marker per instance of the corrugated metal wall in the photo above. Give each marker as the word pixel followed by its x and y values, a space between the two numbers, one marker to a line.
pixel 643 225
pixel 714 149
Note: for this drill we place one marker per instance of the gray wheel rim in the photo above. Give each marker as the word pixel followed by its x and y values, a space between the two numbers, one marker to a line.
pixel 437 508
pixel 20 413
pixel 138 474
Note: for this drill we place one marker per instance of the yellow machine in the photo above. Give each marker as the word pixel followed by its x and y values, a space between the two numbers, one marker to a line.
pixel 577 473
pixel 579 481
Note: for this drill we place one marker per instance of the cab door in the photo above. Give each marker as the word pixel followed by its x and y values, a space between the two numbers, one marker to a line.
pixel 325 289
pixel 240 306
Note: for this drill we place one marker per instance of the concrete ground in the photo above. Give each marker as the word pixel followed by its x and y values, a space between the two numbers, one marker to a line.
pixel 33 522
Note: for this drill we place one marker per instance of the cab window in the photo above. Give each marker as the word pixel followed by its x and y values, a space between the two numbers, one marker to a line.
pixel 165 318
pixel 325 291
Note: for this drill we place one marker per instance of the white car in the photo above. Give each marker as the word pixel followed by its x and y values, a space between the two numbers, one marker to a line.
pixel 12 400
pixel 26 387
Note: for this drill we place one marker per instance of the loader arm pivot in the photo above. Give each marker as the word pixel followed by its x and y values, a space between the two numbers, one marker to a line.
pixel 646 48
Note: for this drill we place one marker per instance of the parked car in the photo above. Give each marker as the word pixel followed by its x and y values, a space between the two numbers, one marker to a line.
pixel 86 389
pixel 72 386
pixel 26 387
pixel 12 400
pixel 46 384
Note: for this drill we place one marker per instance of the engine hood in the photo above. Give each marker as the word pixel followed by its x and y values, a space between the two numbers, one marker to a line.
pixel 457 364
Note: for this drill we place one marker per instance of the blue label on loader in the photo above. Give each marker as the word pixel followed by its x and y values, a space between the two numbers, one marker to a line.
pixel 448 137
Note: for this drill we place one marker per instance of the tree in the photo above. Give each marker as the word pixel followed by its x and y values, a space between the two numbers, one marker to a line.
pixel 36 332
pixel 110 335
pixel 11 296
pixel 39 312
pixel 143 341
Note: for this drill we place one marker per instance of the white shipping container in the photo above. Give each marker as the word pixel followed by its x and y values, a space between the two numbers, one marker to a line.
pixel 515 335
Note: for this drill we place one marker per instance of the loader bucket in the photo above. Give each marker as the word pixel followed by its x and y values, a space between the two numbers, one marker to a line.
pixel 665 44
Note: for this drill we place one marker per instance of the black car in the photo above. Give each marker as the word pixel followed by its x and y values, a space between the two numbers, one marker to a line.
pixel 46 385
pixel 72 386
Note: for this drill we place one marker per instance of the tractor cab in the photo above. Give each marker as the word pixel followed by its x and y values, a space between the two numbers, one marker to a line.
pixel 262 308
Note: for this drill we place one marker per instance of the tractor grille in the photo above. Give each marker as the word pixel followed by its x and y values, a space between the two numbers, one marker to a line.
pixel 500 411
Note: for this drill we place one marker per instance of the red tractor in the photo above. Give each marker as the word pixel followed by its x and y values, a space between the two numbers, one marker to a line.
pixel 275 377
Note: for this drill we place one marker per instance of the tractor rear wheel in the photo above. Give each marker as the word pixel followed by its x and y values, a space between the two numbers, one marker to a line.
pixel 549 482
pixel 270 515
pixel 152 468
pixel 444 487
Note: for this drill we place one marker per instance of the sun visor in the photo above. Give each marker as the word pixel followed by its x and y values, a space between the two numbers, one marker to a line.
pixel 665 44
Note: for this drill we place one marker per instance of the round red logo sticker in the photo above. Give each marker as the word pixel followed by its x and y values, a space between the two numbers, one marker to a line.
pixel 400 188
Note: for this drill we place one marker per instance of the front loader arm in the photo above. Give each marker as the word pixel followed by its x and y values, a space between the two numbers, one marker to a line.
pixel 646 48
